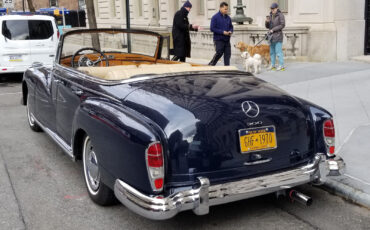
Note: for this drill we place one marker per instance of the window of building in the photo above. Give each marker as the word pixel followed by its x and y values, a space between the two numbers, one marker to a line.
pixel 81 4
pixel 113 12
pixel 53 3
pixel 201 7
pixel 283 5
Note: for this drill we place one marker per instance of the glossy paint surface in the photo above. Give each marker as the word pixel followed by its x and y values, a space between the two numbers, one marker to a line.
pixel 202 114
pixel 195 116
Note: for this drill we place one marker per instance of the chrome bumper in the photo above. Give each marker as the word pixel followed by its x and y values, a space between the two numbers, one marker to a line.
pixel 200 199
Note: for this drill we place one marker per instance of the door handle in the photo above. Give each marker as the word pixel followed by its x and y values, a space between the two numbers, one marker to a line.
pixel 78 92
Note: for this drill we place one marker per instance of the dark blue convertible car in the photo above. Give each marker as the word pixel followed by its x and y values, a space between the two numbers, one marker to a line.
pixel 163 136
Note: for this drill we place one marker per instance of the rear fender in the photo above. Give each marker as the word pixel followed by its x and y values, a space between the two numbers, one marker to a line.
pixel 120 139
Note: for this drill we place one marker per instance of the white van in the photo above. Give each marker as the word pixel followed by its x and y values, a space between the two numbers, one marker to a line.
pixel 26 39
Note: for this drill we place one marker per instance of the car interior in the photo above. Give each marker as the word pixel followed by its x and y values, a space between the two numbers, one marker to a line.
pixel 107 55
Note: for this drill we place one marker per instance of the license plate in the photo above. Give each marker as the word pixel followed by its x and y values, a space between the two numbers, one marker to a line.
pixel 257 139
pixel 15 58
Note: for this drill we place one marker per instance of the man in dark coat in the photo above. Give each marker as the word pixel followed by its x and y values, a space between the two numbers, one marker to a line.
pixel 180 33
pixel 276 23
pixel 222 29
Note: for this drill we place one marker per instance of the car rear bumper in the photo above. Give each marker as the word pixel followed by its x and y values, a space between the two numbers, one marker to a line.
pixel 14 69
pixel 201 198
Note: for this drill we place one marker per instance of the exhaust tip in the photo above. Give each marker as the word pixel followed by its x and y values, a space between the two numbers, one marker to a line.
pixel 300 198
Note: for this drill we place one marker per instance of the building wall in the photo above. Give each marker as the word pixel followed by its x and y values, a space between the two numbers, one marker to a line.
pixel 71 5
pixel 336 27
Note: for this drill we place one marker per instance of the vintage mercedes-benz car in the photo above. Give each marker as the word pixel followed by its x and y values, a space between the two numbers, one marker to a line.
pixel 163 136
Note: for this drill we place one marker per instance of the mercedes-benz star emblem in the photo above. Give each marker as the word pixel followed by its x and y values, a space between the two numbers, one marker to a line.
pixel 250 109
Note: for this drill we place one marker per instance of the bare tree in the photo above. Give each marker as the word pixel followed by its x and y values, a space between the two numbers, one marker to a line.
pixel 91 14
pixel 92 23
pixel 30 6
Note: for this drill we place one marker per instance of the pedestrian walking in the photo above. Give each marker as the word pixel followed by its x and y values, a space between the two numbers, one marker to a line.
pixel 222 29
pixel 181 34
pixel 275 22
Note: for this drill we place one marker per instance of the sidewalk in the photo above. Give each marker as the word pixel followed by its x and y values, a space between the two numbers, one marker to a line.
pixel 343 89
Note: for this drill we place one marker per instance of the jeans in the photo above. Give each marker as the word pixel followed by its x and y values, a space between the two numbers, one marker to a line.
pixel 222 48
pixel 276 49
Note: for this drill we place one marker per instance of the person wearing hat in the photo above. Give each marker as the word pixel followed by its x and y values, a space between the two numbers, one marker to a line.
pixel 222 29
pixel 181 34
pixel 275 22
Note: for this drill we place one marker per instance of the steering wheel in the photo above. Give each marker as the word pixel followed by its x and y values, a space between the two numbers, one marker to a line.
pixel 85 61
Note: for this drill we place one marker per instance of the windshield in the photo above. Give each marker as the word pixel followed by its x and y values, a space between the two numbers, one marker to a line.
pixel 111 42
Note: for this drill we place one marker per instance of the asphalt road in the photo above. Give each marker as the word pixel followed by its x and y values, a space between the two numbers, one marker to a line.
pixel 41 188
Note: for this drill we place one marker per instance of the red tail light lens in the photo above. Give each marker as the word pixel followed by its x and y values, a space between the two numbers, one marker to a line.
pixel 154 162
pixel 58 34
pixel 155 158
pixel 329 130
pixel 329 136
pixel 158 183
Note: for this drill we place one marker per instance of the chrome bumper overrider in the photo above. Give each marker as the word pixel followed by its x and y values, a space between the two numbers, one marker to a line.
pixel 199 199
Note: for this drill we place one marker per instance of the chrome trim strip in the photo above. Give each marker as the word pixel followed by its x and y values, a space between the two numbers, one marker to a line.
pixel 258 162
pixel 65 147
pixel 199 199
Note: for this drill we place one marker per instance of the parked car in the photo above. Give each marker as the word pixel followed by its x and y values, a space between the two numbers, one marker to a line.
pixel 25 39
pixel 163 136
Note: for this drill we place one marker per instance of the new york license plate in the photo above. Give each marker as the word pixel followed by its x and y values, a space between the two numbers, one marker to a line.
pixel 257 139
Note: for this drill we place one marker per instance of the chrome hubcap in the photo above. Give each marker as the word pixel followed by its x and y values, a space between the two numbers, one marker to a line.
pixel 91 167
pixel 31 119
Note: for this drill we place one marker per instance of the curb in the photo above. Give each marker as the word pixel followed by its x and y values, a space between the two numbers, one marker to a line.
pixel 349 193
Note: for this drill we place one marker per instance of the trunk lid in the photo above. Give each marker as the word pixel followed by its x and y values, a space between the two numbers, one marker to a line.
pixel 202 116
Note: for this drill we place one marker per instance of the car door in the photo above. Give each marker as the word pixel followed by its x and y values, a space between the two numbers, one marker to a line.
pixel 45 99
pixel 68 100
pixel 43 41
pixel 14 43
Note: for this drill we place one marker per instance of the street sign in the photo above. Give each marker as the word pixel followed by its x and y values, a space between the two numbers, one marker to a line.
pixel 8 4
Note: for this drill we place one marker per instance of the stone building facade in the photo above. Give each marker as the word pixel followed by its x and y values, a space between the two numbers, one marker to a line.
pixel 317 30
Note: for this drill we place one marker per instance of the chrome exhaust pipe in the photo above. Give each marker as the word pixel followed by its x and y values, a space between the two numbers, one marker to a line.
pixel 300 198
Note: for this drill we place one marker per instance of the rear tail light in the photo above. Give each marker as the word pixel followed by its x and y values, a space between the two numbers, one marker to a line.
pixel 154 162
pixel 329 136
pixel 58 34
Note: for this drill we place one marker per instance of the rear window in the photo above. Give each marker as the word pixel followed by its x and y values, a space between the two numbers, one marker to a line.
pixel 27 29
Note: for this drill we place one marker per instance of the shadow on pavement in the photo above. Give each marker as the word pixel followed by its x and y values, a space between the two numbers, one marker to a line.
pixel 10 78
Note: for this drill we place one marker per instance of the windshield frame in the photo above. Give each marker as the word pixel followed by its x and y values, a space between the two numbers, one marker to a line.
pixel 156 56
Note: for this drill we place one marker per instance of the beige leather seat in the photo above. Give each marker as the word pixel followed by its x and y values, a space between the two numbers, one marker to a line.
pixel 101 72
pixel 126 71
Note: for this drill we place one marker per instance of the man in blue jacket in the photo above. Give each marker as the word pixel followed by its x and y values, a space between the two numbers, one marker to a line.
pixel 222 28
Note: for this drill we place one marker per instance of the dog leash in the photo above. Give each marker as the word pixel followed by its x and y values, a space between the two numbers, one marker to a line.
pixel 264 38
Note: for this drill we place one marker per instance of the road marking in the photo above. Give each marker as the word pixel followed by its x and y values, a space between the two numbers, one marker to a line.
pixel 5 94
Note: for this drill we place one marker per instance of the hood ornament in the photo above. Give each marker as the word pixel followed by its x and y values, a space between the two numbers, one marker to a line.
pixel 250 109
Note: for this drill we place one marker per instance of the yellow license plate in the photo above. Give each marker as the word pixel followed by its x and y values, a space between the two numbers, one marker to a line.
pixel 257 139
pixel 15 58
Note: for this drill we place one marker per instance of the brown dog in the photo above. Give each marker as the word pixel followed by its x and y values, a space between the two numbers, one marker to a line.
pixel 263 50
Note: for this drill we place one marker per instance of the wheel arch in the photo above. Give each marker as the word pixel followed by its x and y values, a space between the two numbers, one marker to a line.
pixel 24 93
pixel 78 143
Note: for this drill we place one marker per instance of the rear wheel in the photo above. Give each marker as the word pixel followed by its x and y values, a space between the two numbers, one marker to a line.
pixel 31 119
pixel 98 192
